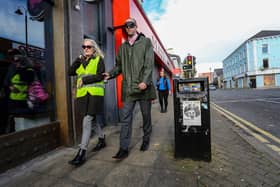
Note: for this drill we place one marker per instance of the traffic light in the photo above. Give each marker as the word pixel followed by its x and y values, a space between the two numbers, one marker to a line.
pixel 188 64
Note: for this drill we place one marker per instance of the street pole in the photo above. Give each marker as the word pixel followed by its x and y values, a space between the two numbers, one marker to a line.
pixel 19 12
pixel 210 76
pixel 26 33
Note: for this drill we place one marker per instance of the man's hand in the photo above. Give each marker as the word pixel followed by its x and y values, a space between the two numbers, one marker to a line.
pixel 106 76
pixel 142 86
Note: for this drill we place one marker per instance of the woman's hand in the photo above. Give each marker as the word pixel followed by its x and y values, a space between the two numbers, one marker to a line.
pixel 80 83
pixel 14 89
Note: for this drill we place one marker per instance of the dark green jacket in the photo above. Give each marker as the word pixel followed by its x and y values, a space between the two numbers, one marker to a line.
pixel 136 63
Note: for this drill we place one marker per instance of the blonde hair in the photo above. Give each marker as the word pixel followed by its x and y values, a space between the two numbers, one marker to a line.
pixel 98 51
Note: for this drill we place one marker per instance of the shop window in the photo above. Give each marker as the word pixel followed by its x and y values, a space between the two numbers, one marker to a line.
pixel 23 62
pixel 269 80
pixel 265 63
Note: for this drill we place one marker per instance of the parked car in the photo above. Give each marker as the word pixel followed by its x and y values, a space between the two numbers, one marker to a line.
pixel 212 87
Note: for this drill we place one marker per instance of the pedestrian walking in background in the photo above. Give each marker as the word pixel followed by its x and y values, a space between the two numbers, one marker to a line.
pixel 135 60
pixel 163 87
pixel 88 68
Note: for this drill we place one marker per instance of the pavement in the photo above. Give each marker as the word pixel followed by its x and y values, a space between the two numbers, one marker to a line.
pixel 235 162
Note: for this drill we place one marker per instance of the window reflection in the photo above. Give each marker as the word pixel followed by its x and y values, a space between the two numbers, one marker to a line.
pixel 24 84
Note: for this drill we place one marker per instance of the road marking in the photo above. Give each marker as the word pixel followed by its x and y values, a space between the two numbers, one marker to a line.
pixel 236 101
pixel 274 148
pixel 249 124
pixel 245 124
pixel 260 138
pixel 268 101
pixel 250 100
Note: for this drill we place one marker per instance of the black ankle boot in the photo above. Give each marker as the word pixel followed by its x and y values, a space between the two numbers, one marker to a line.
pixel 145 145
pixel 121 154
pixel 79 159
pixel 75 158
pixel 100 145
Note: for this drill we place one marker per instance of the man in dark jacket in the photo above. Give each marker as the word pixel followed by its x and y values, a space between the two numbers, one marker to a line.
pixel 135 60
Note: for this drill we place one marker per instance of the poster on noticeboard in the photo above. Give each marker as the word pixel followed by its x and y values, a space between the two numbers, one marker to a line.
pixel 191 113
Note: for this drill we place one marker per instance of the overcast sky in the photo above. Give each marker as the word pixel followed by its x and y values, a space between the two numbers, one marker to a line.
pixel 210 29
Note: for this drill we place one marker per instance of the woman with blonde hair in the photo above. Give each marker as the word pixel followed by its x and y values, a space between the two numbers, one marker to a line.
pixel 88 68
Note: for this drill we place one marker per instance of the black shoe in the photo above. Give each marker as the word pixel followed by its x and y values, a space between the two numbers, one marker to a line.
pixel 161 111
pixel 145 146
pixel 75 158
pixel 165 110
pixel 100 145
pixel 79 159
pixel 121 154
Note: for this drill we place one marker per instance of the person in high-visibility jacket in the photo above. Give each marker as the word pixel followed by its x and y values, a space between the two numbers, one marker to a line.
pixel 20 74
pixel 89 94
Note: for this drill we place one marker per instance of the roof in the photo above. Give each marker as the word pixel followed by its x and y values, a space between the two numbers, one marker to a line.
pixel 261 34
pixel 218 71
pixel 266 33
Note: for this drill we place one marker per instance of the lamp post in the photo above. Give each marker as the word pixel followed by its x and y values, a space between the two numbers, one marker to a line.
pixel 19 12
pixel 210 75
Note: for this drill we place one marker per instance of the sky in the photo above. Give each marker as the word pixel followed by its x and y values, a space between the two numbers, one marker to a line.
pixel 210 29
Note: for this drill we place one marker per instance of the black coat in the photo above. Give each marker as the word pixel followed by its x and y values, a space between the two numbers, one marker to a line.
pixel 89 104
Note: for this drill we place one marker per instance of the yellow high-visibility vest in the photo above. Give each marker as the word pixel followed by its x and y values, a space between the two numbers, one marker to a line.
pixel 21 86
pixel 94 89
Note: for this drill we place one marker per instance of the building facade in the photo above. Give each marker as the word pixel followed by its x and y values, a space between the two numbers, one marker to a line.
pixel 209 75
pixel 255 63
pixel 177 71
pixel 218 77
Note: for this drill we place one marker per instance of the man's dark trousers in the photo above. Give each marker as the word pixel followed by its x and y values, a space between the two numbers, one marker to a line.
pixel 126 117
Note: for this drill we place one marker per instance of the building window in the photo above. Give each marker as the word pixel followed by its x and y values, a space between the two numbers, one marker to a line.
pixel 265 48
pixel 265 63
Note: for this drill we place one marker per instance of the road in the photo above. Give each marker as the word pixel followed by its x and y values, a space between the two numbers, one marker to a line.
pixel 261 107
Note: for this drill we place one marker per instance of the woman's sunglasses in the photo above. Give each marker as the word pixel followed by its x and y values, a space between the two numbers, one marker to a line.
pixel 87 46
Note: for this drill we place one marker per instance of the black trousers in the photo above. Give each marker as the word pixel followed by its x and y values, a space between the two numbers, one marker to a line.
pixel 163 98
pixel 126 116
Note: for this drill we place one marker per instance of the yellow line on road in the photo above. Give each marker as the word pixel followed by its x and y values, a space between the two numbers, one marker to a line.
pixel 274 148
pixel 257 136
pixel 248 124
